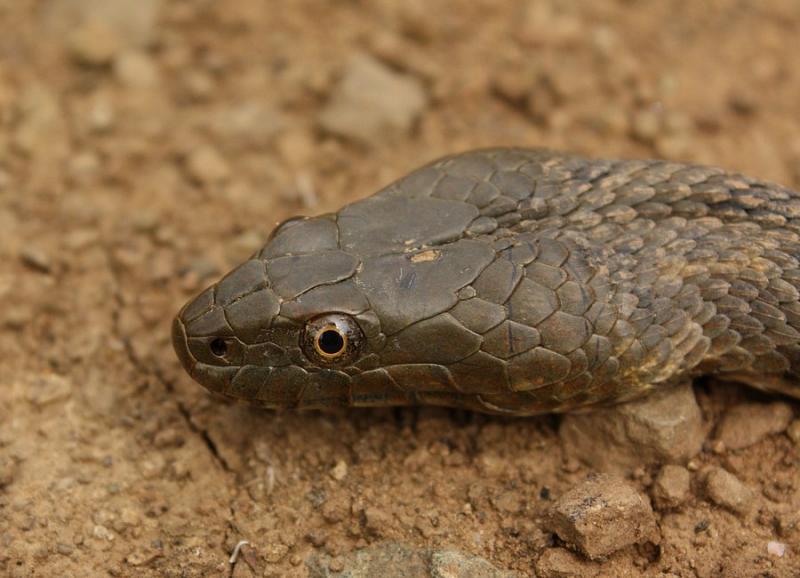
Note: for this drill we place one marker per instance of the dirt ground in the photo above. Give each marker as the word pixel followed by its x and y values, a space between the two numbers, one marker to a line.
pixel 148 146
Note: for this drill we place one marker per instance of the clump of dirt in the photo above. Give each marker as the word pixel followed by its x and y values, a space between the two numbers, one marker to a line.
pixel 148 146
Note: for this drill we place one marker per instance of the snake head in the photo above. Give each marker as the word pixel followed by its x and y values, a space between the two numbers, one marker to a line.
pixel 287 328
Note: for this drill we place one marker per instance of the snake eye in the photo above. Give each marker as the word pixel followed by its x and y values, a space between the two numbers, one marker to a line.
pixel 330 342
pixel 218 347
pixel 332 339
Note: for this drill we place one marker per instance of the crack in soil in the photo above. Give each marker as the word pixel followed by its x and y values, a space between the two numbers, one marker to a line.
pixel 183 410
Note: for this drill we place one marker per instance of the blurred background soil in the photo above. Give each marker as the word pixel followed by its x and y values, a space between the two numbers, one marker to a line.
pixel 146 146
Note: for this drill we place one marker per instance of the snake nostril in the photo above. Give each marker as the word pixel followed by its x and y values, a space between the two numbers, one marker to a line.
pixel 218 347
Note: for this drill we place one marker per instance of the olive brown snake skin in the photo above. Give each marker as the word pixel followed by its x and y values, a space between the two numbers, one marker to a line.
pixel 512 281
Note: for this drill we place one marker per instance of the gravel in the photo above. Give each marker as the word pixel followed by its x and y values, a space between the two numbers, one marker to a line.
pixel 372 102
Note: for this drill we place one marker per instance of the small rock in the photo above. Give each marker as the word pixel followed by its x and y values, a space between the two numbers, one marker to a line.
pixel 377 521
pixel 747 424
pixel 788 523
pixel 508 502
pixel 561 563
pixel 386 560
pixel 602 515
pixel 142 556
pixel 44 389
pixel 199 85
pixel 372 101
pixel 36 259
pixel 666 427
pixel 135 69
pixel 102 115
pixel 454 564
pixel 394 560
pixel 727 491
pixel 793 431
pixel 94 43
pixel 168 438
pixel 671 487
pixel 42 132
pixel 339 471
pixel 646 125
pixel 131 23
pixel 248 124
pixel 84 167
pixel 274 552
pixel 205 165
pixel 777 549
pixel 8 469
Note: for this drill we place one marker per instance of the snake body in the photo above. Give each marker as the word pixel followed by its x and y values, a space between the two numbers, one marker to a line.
pixel 512 281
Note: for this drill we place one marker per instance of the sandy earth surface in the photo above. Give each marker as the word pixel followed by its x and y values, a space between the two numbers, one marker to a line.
pixel 147 146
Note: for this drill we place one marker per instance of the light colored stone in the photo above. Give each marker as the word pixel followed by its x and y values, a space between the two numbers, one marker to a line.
pixel 132 22
pixel 372 102
pixel 339 471
pixel 747 424
pixel 395 560
pixel 793 431
pixel 135 69
pixel 454 564
pixel 671 487
pixel 207 166
pixel 94 43
pixel 602 515
pixel 665 427
pixel 728 491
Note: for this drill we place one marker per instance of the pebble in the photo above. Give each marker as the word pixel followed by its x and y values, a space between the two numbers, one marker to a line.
pixel 199 85
pixel 135 69
pixel 207 166
pixel 602 515
pixel 84 167
pixel 371 102
pixel 396 560
pixel 41 132
pixel 666 426
pixel 776 549
pixel 132 24
pixel 248 124
pixel 508 502
pixel 454 564
pixel 94 43
pixel 8 469
pixel 101 114
pixel 44 389
pixel 339 471
pixel 671 487
pixel 793 431
pixel 36 259
pixel 747 424
pixel 646 125
pixel 726 490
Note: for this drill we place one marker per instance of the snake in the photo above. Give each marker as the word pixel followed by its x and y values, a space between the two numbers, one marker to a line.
pixel 511 281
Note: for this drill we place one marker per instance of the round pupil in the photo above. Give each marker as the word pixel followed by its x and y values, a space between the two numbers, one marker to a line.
pixel 331 342
pixel 219 347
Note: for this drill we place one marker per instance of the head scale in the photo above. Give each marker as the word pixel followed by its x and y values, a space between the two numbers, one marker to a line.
pixel 356 308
